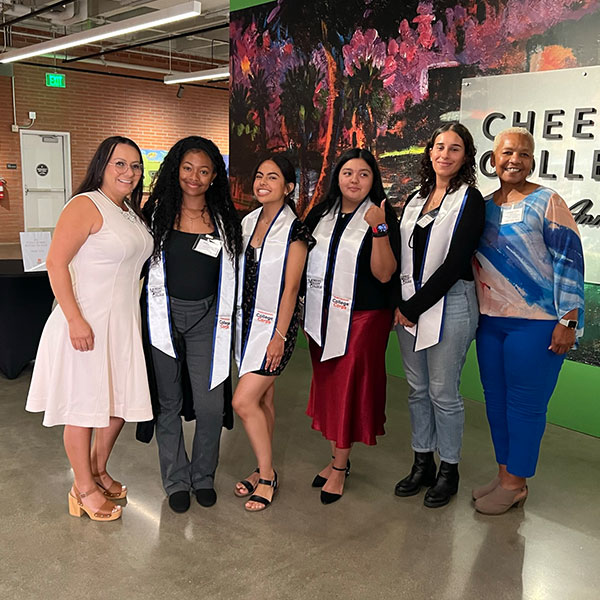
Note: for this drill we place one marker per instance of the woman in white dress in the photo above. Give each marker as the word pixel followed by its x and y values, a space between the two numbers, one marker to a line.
pixel 89 373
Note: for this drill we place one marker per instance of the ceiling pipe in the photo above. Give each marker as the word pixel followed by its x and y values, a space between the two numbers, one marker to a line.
pixel 35 13
pixel 155 19
pixel 148 43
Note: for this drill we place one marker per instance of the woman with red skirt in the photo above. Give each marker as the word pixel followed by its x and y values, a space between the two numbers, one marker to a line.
pixel 348 312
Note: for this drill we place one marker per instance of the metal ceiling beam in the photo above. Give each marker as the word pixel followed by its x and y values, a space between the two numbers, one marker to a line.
pixel 148 42
pixel 35 13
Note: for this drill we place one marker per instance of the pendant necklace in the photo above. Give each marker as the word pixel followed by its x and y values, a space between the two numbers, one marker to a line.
pixel 128 214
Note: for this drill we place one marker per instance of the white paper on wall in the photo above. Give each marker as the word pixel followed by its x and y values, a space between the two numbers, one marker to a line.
pixel 34 248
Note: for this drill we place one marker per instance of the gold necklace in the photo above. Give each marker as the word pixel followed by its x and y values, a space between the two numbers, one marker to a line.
pixel 192 219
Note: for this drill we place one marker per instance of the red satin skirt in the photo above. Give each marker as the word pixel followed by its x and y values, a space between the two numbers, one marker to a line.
pixel 347 393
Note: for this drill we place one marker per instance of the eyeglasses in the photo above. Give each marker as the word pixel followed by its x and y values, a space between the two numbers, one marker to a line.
pixel 121 167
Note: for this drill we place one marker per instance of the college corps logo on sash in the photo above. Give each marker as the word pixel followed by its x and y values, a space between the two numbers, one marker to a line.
pixel 334 341
pixel 250 352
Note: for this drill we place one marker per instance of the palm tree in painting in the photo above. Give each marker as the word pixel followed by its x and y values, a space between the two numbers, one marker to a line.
pixel 260 98
pixel 301 118
pixel 366 105
pixel 330 27
pixel 239 112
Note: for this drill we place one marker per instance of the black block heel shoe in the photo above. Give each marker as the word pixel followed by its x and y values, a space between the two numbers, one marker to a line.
pixel 446 485
pixel 422 474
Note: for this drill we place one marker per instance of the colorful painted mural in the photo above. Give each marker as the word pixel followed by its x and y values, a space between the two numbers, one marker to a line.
pixel 314 78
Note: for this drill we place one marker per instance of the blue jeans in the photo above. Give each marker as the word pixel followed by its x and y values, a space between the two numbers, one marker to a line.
pixel 518 374
pixel 437 413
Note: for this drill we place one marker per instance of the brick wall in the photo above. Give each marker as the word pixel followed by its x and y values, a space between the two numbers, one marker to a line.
pixel 93 107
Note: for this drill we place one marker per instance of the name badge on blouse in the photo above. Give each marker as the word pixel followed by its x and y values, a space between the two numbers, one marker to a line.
pixel 511 214
pixel 425 220
pixel 207 244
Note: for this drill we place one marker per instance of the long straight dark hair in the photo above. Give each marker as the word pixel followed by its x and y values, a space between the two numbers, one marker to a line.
pixel 287 170
pixel 376 194
pixel 95 171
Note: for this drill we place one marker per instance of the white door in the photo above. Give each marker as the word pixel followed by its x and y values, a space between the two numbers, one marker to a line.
pixel 46 160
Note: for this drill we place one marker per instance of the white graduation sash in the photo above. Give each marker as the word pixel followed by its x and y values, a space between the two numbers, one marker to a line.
pixel 250 352
pixel 159 314
pixel 428 330
pixel 341 302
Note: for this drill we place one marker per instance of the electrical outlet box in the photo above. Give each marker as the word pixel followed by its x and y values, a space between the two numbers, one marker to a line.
pixel 14 128
pixel 31 115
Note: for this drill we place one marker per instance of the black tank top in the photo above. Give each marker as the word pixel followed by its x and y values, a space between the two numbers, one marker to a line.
pixel 191 275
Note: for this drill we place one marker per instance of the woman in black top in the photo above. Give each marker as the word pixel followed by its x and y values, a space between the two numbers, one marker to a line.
pixel 348 312
pixel 436 312
pixel 190 297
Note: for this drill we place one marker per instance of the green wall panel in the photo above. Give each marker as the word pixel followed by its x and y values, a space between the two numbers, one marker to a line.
pixel 239 4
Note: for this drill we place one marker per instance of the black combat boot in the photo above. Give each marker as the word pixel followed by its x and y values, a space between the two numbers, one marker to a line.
pixel 446 485
pixel 421 474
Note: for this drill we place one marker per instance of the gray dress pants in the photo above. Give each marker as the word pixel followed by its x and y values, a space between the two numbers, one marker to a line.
pixel 177 470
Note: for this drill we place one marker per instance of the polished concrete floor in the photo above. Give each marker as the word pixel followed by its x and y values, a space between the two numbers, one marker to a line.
pixel 368 545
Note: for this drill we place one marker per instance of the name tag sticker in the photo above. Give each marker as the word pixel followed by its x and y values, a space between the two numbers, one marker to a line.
pixel 206 244
pixel 425 220
pixel 511 214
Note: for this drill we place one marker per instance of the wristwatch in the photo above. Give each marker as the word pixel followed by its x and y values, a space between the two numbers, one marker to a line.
pixel 380 230
pixel 570 323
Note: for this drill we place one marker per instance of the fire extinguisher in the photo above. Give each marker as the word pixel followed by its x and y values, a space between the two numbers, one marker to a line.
pixel 2 184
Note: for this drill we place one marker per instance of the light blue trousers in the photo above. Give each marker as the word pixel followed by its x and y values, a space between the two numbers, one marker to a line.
pixel 436 407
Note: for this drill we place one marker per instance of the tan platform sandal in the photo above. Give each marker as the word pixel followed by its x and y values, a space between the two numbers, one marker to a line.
pixel 107 512
pixel 116 490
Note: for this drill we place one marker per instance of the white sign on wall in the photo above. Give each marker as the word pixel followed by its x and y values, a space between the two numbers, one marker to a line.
pixel 34 249
pixel 562 110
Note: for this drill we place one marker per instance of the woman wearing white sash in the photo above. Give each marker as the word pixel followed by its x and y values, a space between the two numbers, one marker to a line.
pixel 348 312
pixel 275 248
pixel 437 311
pixel 189 301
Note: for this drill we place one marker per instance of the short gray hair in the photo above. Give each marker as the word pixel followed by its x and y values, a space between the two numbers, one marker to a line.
pixel 516 131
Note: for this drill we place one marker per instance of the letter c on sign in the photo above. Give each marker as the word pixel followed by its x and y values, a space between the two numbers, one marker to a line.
pixel 485 126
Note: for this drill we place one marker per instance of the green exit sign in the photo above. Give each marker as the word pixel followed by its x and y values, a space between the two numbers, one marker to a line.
pixel 56 80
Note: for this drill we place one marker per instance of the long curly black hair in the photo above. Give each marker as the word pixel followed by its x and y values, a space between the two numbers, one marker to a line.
pixel 466 174
pixel 376 194
pixel 92 179
pixel 163 207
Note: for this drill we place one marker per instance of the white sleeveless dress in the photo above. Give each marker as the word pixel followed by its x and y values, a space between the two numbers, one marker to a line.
pixel 86 388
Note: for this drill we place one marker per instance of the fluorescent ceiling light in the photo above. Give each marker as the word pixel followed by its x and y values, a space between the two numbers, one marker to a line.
pixel 205 75
pixel 155 19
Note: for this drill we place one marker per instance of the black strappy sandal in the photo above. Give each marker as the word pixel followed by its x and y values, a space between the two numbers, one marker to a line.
pixel 255 498
pixel 320 481
pixel 247 485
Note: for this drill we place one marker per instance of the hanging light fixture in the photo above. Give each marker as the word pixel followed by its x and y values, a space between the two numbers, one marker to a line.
pixel 205 75
pixel 186 10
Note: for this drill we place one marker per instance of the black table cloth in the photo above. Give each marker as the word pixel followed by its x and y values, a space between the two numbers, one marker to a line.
pixel 25 304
